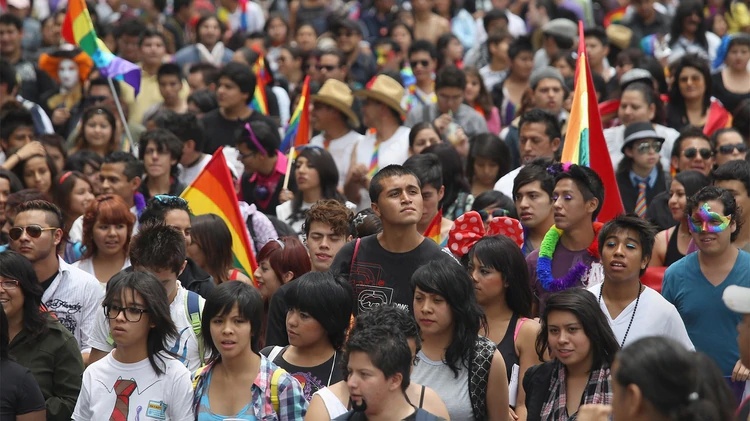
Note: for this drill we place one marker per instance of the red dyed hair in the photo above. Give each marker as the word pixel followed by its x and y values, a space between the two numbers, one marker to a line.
pixel 292 257
pixel 106 209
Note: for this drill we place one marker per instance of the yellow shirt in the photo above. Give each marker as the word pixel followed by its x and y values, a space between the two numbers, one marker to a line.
pixel 148 96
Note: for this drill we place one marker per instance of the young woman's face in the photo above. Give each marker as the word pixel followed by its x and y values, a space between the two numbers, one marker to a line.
pixel 126 332
pixel 472 88
pixel 424 139
pixel 92 174
pixel 691 83
pixel 97 131
pixel 523 64
pixel 303 330
pixel 402 36
pixel 488 283
pixel 677 200
pixel 195 252
pixel 57 157
pixel 454 51
pixel 80 197
pixel 567 340
pixel 37 175
pixel 286 62
pixel 562 65
pixel 110 239
pixel 209 32
pixel 306 175
pixel 719 25
pixel 738 57
pixel 486 171
pixel 11 297
pixel 277 31
pixel 432 312
pixel 690 24
pixel 268 282
pixel 645 160
pixel 231 333
pixel 633 108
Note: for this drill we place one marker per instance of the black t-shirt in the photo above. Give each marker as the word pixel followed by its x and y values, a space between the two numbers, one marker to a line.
pixel 223 132
pixel 47 282
pixel 380 276
pixel 19 391
pixel 312 379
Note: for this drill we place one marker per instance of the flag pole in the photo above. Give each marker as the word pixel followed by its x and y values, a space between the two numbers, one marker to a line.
pixel 289 168
pixel 121 113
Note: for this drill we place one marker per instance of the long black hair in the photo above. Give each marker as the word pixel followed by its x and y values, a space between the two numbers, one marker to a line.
pixel 684 10
pixel 454 176
pixel 503 254
pixel 676 100
pixel 157 308
pixel 17 267
pixel 692 181
pixel 488 145
pixel 222 300
pixel 321 161
pixel 451 281
pixel 584 306
pixel 678 383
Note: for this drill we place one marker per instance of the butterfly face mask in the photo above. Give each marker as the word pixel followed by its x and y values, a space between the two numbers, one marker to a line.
pixel 708 221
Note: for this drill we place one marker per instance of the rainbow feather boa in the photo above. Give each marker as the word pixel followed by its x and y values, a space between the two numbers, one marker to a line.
pixel 544 263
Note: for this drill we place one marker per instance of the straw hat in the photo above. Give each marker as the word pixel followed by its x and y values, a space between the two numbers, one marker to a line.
pixel 619 35
pixel 337 95
pixel 384 89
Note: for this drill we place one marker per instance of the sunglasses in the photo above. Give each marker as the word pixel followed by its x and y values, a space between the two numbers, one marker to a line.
pixel 33 231
pixel 728 149
pixel 644 147
pixel 320 67
pixel 690 153
pixel 423 63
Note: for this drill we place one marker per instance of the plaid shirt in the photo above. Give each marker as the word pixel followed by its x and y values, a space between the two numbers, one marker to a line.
pixel 292 403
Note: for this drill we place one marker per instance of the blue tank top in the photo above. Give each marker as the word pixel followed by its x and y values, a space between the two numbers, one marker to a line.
pixel 204 409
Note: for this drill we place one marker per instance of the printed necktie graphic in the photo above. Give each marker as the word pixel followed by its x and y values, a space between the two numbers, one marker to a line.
pixel 123 389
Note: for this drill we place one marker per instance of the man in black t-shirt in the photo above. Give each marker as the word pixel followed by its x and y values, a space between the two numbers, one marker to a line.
pixel 233 93
pixel 380 266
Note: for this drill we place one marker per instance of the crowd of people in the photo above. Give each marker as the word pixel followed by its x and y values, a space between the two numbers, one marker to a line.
pixel 424 256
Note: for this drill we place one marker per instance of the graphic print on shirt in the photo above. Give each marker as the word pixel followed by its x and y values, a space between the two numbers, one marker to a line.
pixel 175 348
pixel 369 287
pixel 123 389
pixel 64 312
pixel 310 383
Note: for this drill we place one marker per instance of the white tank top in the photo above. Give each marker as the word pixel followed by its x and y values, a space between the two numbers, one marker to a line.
pixel 333 404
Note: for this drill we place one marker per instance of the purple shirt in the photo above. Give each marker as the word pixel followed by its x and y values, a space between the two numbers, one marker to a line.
pixel 562 261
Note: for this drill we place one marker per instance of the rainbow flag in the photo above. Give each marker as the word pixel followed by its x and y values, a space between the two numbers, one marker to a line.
pixel 213 192
pixel 433 230
pixel 614 16
pixel 78 29
pixel 584 140
pixel 298 130
pixel 718 118
pixel 260 101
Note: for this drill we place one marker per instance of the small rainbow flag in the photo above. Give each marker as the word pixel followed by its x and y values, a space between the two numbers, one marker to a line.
pixel 260 101
pixel 614 16
pixel 718 118
pixel 433 230
pixel 584 140
pixel 78 29
pixel 213 192
pixel 298 130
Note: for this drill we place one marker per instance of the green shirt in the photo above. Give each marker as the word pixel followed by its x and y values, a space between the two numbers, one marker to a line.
pixel 55 361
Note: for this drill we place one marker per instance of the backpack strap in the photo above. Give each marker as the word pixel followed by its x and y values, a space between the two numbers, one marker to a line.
pixel 275 388
pixel 275 353
pixel 194 315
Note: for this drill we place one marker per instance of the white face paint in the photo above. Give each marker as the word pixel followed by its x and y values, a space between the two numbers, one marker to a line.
pixel 68 74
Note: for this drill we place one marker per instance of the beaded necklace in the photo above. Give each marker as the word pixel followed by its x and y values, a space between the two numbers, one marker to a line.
pixel 632 317
pixel 544 263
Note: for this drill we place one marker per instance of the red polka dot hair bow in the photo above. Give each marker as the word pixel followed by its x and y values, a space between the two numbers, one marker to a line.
pixel 469 228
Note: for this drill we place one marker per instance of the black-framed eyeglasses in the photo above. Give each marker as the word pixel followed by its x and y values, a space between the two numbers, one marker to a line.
pixel 644 147
pixel 33 231
pixel 728 149
pixel 691 153
pixel 170 200
pixel 423 63
pixel 9 284
pixel 132 314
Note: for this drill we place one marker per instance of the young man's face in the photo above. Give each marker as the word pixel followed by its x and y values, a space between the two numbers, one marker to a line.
pixel 40 248
pixel 534 142
pixel 195 81
pixel 533 204
pixel 250 159
pixel 20 137
pixel 167 278
pixel 622 256
pixel 127 48
pixel 229 95
pixel 180 220
pixel 367 383
pixel 4 192
pixel 153 50
pixel 713 236
pixel 330 68
pixel 10 39
pixel 644 8
pixel 571 208
pixel 422 65
pixel 347 40
pixel 430 200
pixel 157 162
pixel 323 245
pixel 114 181
pixel 737 189
pixel 400 201
pixel 449 99
pixel 169 87
pixel 695 154
pixel 522 64
pixel 596 51
pixel 98 94
pixel 549 95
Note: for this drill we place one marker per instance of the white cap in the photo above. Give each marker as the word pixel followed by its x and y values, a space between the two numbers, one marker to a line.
pixel 737 299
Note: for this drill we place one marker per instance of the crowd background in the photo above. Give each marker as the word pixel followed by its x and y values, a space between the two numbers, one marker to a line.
pixel 425 211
